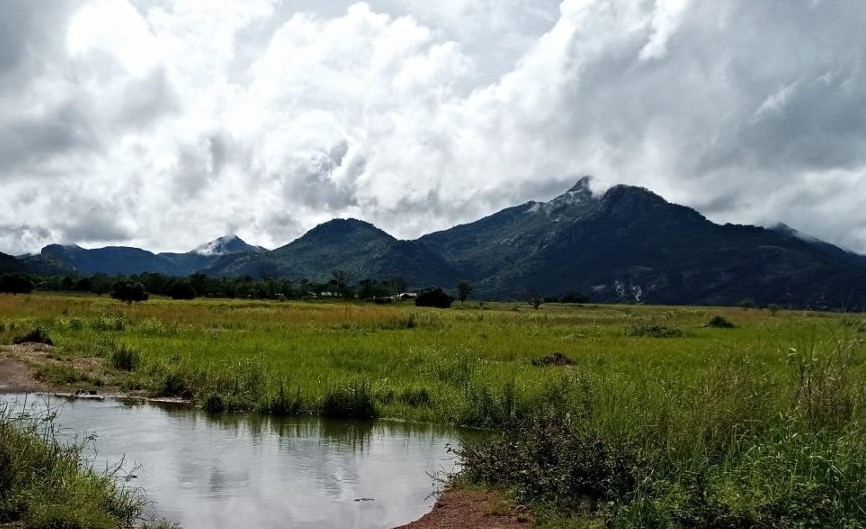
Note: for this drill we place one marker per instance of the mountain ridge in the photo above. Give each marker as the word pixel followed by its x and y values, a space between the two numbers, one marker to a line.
pixel 625 244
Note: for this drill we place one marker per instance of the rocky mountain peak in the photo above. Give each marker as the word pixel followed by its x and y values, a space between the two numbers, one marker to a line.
pixel 228 244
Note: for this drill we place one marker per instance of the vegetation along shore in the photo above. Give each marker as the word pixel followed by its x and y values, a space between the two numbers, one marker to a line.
pixel 600 415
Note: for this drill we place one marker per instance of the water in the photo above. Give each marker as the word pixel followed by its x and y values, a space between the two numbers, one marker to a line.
pixel 226 471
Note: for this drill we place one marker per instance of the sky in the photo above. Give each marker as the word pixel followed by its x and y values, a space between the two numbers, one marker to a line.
pixel 165 124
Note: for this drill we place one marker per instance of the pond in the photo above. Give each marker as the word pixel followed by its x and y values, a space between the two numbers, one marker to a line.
pixel 206 470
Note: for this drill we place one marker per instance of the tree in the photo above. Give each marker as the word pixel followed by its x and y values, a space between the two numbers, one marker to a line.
pixel 573 296
pixel 16 284
pixel 433 297
pixel 398 285
pixel 100 284
pixel 464 288
pixel 182 290
pixel 340 280
pixel 129 291
pixel 534 299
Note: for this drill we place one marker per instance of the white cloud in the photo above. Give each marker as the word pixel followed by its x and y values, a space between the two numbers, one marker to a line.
pixel 665 21
pixel 176 122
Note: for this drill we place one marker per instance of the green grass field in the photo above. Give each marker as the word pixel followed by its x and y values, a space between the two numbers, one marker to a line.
pixel 734 427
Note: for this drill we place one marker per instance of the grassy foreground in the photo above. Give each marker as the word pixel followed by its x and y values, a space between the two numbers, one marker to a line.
pixel 666 416
pixel 48 484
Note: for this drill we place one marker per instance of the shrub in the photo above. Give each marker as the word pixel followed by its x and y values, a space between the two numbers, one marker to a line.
pixel 720 322
pixel 16 284
pixel 129 291
pixel 433 297
pixel 182 290
pixel 37 335
pixel 547 459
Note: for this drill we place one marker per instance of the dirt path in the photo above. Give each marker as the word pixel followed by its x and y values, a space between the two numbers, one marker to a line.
pixel 14 375
pixel 463 508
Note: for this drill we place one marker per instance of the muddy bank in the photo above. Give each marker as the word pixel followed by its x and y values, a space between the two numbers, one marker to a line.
pixel 465 508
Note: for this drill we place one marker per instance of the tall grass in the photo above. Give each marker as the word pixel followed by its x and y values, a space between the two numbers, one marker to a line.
pixel 731 423
pixel 47 484
pixel 737 448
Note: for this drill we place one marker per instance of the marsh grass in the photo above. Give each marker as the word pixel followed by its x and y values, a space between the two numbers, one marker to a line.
pixel 351 401
pixel 45 483
pixel 719 427
pixel 751 451
pixel 125 358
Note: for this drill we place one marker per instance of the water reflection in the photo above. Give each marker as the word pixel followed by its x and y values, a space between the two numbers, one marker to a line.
pixel 205 470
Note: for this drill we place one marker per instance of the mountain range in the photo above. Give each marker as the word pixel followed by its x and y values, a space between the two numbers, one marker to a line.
pixel 627 244
pixel 123 260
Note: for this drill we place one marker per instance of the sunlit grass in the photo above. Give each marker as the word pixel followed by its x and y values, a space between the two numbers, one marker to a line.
pixel 701 410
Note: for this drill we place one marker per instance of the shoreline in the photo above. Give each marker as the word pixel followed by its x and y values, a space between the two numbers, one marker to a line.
pixel 457 506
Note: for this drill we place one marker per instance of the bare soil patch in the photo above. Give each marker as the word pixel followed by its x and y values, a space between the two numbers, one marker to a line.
pixel 15 377
pixel 465 508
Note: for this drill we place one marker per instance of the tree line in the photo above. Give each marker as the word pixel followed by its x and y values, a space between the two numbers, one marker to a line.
pixel 201 285
pixel 139 287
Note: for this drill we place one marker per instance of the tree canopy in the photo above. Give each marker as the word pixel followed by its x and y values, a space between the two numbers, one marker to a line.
pixel 129 291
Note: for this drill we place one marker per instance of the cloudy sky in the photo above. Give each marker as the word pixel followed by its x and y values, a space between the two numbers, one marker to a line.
pixel 164 124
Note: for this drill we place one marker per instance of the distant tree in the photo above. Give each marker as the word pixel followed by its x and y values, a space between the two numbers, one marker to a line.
pixel 340 280
pixel 534 299
pixel 16 284
pixel 573 296
pixel 199 283
pixel 433 297
pixel 155 282
pixel 85 284
pixel 398 285
pixel 129 291
pixel 182 290
pixel 100 284
pixel 464 288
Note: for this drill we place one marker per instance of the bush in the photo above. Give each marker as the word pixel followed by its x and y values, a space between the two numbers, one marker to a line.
pixel 129 291
pixel 654 330
pixel 433 297
pixel 182 290
pixel 16 284
pixel 720 322
pixel 37 335
pixel 547 459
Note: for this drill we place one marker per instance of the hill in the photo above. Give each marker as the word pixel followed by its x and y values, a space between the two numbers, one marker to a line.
pixel 9 264
pixel 629 244
pixel 357 248
pixel 124 260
